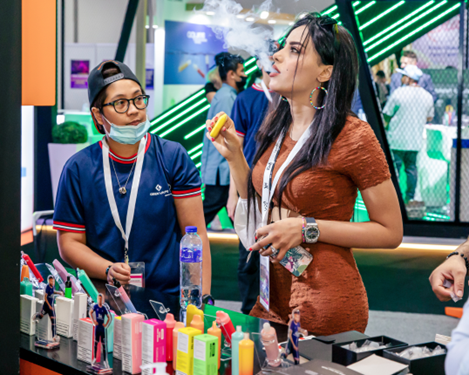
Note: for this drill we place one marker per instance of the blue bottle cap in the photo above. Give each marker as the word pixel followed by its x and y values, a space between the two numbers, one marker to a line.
pixel 191 229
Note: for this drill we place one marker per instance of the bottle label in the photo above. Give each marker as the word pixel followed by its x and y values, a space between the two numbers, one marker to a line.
pixel 191 255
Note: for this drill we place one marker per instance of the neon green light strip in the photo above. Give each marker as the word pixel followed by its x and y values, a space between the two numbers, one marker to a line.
pixel 196 155
pixel 356 3
pixel 249 61
pixel 195 148
pixel 336 16
pixel 199 129
pixel 252 69
pixel 365 8
pixel 370 22
pixel 198 165
pixel 329 11
pixel 414 32
pixel 381 41
pixel 398 22
pixel 185 121
pixel 180 105
pixel 193 107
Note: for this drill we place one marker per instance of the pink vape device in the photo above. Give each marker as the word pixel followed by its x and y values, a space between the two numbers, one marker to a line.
pixel 153 341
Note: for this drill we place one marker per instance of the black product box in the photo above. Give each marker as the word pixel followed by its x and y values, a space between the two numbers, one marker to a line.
pixel 316 366
pixel 434 365
pixel 347 357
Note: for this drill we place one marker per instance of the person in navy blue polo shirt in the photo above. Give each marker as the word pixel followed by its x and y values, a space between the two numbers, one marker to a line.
pixel 129 197
pixel 249 111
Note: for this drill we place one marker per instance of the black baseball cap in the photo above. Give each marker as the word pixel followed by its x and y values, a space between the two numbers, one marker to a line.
pixel 96 81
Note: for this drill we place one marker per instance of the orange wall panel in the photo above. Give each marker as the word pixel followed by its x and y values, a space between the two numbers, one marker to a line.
pixel 39 25
pixel 28 368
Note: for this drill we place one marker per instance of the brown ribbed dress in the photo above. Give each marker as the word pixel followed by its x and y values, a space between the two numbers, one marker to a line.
pixel 330 293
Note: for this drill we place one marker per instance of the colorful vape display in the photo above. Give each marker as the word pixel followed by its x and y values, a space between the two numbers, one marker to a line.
pixel 226 326
pixel 246 356
pixel 215 331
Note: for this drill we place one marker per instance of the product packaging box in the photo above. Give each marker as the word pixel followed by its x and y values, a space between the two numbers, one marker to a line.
pixel 153 343
pixel 79 311
pixel 434 365
pixel 185 351
pixel 347 357
pixel 28 309
pixel 205 355
pixel 110 333
pixel 132 342
pixel 39 294
pixel 43 327
pixel 117 352
pixel 85 340
pixel 64 314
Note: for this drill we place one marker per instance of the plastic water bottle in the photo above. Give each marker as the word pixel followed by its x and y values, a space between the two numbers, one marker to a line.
pixel 190 270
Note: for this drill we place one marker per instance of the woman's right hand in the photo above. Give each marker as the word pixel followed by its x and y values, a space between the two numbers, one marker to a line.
pixel 120 272
pixel 227 141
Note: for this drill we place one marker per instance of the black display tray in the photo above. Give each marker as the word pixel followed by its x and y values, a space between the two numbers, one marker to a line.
pixel 434 365
pixel 347 357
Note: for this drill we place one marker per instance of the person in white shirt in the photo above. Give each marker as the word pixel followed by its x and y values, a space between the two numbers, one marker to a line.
pixel 457 359
pixel 406 112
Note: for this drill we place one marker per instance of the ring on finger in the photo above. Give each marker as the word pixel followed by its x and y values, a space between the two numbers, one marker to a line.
pixel 274 252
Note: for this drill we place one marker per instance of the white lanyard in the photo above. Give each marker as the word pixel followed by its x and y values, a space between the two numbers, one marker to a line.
pixel 133 193
pixel 268 190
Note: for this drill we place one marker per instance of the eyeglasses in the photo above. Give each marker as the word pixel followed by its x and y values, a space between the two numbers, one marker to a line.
pixel 122 105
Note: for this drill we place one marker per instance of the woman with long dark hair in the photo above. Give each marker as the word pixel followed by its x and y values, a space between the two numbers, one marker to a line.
pixel 313 155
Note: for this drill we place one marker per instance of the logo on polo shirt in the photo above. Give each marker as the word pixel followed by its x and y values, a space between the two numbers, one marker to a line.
pixel 158 188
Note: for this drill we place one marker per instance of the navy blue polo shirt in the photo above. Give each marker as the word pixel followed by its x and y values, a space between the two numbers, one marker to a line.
pixel 100 313
pixel 82 206
pixel 248 113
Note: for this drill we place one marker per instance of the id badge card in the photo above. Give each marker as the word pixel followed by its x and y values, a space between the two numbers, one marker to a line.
pixel 137 274
pixel 264 295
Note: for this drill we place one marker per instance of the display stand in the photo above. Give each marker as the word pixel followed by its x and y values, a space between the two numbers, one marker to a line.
pixel 121 299
pixel 160 310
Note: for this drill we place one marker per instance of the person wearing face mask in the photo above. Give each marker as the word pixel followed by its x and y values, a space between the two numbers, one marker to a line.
pixel 313 155
pixel 215 170
pixel 129 197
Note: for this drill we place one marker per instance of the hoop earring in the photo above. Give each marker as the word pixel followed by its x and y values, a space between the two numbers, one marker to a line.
pixel 311 97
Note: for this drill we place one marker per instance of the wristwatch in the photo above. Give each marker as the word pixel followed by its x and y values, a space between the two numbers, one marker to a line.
pixel 311 230
pixel 208 299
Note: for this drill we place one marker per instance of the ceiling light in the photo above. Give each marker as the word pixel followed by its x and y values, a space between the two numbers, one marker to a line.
pixel 272 21
pixel 210 13
pixel 291 23
pixel 155 26
pixel 249 19
pixel 264 15
pixel 240 16
pixel 147 26
pixel 302 15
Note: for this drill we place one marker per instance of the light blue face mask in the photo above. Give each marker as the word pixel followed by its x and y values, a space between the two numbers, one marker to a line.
pixel 127 134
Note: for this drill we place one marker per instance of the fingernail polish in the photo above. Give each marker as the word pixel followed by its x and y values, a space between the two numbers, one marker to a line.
pixel 250 249
pixel 209 129
pixel 213 139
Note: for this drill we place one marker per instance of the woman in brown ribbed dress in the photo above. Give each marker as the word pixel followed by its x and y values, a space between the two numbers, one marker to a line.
pixel 340 156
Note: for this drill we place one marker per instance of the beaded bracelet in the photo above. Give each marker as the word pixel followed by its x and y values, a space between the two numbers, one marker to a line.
pixel 462 256
pixel 303 229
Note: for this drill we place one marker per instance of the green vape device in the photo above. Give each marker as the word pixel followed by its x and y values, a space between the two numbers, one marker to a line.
pixel 205 355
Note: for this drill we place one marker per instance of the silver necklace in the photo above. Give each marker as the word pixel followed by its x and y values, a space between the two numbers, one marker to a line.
pixel 122 189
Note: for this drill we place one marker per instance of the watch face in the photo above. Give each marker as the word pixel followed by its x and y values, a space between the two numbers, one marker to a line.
pixel 312 233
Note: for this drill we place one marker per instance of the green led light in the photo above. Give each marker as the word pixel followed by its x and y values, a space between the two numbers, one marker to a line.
pixel 414 32
pixel 336 16
pixel 249 61
pixel 193 107
pixel 196 155
pixel 370 22
pixel 329 10
pixel 185 121
pixel 439 216
pixel 198 165
pixel 365 8
pixel 180 105
pixel 398 22
pixel 252 69
pixel 406 25
pixel 197 130
pixel 356 3
pixel 195 148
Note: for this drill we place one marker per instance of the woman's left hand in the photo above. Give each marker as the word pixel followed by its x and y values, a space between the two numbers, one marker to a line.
pixel 281 235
